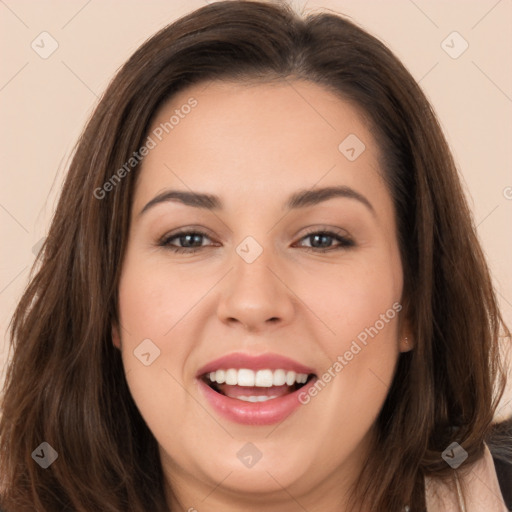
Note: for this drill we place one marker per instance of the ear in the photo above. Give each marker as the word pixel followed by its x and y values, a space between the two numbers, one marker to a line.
pixel 116 338
pixel 406 340
pixel 406 343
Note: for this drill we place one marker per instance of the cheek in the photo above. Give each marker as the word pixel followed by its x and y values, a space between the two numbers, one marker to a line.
pixel 152 299
pixel 153 305
pixel 354 296
pixel 361 308
pixel 150 305
pixel 359 303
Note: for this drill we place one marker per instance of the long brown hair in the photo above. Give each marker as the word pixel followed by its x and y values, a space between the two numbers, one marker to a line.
pixel 65 384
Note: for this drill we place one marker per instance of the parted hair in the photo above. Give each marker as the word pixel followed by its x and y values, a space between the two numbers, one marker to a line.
pixel 65 383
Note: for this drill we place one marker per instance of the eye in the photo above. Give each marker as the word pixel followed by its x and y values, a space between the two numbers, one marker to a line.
pixel 192 241
pixel 321 241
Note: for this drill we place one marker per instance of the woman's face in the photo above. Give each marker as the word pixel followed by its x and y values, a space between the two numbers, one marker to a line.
pixel 286 283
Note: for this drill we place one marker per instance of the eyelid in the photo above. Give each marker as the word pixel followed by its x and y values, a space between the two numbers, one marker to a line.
pixel 185 231
pixel 326 229
pixel 205 232
pixel 344 239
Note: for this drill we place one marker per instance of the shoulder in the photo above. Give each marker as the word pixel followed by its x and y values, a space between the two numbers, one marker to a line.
pixel 480 485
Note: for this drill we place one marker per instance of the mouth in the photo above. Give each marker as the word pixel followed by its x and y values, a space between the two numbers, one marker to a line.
pixel 256 386
pixel 254 390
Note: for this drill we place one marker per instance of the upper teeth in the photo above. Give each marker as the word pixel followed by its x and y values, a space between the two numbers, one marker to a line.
pixel 261 378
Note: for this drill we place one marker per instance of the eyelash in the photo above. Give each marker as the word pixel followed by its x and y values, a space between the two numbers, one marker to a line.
pixel 344 242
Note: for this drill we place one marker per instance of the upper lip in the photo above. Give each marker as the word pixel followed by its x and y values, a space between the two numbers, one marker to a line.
pixel 265 361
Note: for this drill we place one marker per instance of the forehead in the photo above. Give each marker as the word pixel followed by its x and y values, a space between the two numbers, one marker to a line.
pixel 259 138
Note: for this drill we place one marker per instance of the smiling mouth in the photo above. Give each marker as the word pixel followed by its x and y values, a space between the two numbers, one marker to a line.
pixel 260 386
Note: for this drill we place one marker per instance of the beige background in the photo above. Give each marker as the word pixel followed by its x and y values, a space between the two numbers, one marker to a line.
pixel 44 104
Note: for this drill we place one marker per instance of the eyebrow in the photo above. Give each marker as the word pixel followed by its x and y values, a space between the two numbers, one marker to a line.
pixel 300 199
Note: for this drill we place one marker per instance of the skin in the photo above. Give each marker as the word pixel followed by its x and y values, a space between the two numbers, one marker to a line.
pixel 254 145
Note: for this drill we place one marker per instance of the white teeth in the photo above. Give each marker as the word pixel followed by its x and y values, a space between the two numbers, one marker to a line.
pixel 264 378
pixel 256 398
pixel 301 378
pixel 290 378
pixel 260 378
pixel 231 377
pixel 279 378
pixel 245 377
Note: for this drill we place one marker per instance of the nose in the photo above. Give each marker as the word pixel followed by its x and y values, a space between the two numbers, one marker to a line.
pixel 255 295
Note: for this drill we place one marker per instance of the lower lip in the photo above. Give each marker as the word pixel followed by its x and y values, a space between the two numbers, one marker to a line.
pixel 254 413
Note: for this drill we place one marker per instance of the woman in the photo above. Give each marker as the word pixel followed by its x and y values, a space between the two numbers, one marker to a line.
pixel 261 290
